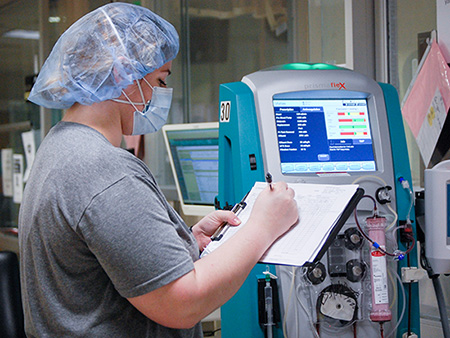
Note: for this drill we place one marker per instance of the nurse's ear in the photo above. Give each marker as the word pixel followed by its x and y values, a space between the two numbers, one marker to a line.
pixel 122 77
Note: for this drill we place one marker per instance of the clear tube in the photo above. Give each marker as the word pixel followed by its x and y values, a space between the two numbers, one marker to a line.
pixel 395 217
pixel 291 289
pixel 404 302
pixel 405 185
pixel 310 319
pixel 370 176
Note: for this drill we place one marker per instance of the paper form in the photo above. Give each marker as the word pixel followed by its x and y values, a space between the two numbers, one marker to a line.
pixel 319 208
pixel 434 74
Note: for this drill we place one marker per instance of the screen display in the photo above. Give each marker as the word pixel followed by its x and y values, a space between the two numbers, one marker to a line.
pixel 195 154
pixel 323 135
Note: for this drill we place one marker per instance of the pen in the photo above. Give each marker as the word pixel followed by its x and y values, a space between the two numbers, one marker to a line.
pixel 269 180
pixel 223 228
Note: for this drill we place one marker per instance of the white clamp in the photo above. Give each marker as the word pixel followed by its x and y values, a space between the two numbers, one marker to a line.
pixel 412 274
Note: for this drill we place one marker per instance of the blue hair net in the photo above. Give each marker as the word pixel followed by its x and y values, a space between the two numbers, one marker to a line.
pixel 102 53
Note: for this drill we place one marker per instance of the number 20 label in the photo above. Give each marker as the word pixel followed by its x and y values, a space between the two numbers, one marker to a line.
pixel 225 107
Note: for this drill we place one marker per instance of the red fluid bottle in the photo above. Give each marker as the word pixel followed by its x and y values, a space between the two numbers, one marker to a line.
pixel 380 296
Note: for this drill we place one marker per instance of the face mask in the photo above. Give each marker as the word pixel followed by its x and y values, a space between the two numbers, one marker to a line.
pixel 155 112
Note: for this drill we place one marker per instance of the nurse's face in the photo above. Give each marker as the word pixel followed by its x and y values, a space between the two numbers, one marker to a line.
pixel 157 78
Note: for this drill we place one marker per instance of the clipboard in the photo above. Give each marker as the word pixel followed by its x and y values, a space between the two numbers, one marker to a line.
pixel 323 210
pixel 339 224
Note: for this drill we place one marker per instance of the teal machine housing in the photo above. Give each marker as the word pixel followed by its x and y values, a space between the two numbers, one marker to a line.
pixel 248 148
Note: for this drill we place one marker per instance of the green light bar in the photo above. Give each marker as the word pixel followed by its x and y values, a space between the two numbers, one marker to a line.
pixel 305 66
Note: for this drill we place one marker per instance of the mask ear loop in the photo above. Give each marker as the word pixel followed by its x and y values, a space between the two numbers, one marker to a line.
pixel 131 102
pixel 153 88
pixel 142 93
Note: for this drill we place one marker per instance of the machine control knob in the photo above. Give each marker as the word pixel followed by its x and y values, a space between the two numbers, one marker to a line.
pixel 355 270
pixel 316 273
pixel 352 239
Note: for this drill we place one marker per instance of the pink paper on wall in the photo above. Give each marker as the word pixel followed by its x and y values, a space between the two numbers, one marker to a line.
pixel 434 74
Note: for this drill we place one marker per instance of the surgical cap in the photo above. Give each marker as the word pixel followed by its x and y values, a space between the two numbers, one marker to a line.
pixel 102 53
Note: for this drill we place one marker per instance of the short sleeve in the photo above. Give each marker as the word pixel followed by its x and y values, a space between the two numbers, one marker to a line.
pixel 137 241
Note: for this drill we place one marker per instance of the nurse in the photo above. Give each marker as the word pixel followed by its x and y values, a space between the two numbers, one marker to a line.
pixel 102 252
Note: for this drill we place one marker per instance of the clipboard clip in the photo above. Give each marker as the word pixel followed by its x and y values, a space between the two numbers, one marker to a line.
pixel 223 228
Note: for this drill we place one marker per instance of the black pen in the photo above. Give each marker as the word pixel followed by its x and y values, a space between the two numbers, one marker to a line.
pixel 222 229
pixel 269 180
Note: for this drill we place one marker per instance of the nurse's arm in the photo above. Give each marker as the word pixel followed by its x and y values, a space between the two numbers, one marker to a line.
pixel 218 276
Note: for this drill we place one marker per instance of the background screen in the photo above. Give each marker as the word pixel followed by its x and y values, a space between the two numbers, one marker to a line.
pixel 195 155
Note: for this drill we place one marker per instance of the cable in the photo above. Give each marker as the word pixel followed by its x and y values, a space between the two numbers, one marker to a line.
pixel 210 333
pixel 437 290
pixel 404 304
pixel 441 305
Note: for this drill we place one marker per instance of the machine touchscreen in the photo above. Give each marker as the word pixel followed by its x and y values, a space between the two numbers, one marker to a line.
pixel 323 135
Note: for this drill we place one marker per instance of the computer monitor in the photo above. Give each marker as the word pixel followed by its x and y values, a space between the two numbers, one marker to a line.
pixel 193 150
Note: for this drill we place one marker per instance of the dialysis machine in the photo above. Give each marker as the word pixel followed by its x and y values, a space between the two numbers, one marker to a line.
pixel 316 123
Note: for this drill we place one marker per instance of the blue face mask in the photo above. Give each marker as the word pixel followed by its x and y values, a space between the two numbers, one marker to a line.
pixel 155 112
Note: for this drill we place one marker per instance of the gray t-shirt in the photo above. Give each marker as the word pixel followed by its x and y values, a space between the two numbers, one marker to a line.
pixel 94 229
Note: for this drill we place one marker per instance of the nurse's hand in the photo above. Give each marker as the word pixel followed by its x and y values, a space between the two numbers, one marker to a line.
pixel 275 211
pixel 208 225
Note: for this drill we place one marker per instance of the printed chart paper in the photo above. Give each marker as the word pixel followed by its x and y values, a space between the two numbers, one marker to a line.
pixel 319 205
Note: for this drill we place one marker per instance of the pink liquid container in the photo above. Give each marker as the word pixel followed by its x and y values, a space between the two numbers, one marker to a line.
pixel 378 271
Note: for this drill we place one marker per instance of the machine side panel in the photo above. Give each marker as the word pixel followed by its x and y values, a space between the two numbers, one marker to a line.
pixel 402 169
pixel 239 144
pixel 240 160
